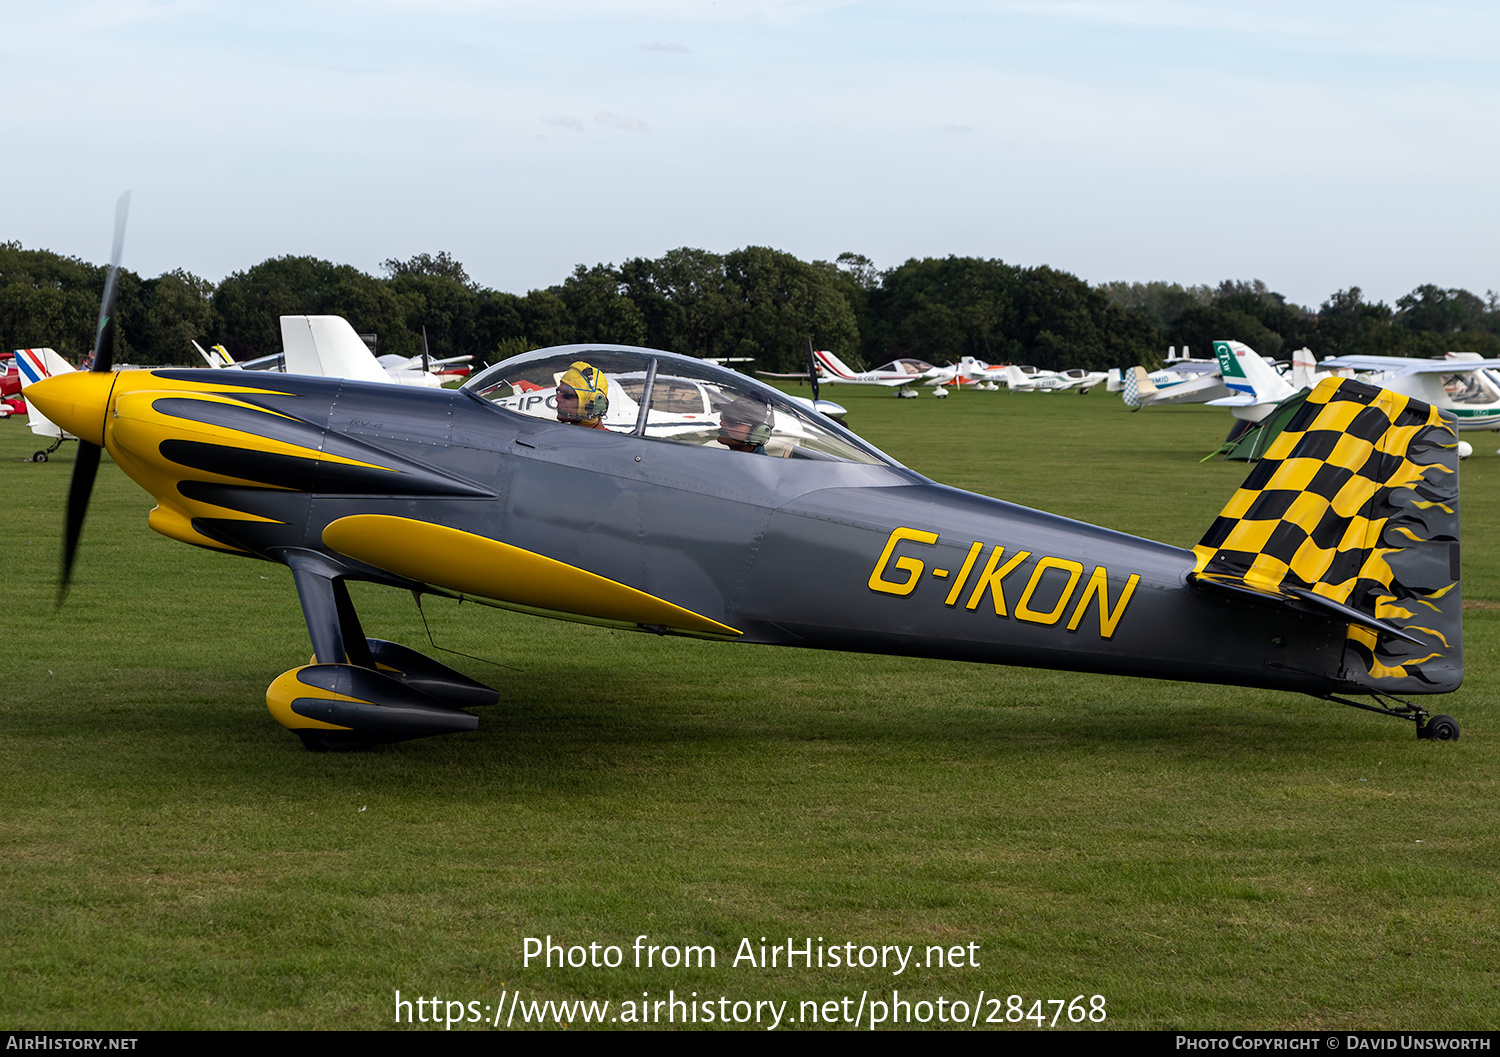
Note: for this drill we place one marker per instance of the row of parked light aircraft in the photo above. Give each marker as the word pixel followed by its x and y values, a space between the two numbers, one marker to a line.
pixel 1464 384
pixel 903 374
pixel 1238 378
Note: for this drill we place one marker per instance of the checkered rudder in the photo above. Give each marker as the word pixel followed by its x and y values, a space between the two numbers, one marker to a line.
pixel 1356 502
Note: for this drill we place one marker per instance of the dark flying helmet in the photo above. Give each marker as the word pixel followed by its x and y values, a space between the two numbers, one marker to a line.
pixel 747 421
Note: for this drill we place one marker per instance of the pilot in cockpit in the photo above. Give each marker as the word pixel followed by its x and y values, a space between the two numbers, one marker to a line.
pixel 745 425
pixel 583 396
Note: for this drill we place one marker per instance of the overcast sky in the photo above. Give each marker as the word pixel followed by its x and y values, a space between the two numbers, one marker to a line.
pixel 1312 145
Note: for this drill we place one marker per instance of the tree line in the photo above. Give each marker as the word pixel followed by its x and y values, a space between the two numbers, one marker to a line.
pixel 1427 322
pixel 756 301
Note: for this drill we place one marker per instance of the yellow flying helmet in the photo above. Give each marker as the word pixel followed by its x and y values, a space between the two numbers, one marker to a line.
pixel 592 388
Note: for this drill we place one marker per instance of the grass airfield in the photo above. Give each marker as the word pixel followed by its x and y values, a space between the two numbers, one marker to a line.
pixel 1204 857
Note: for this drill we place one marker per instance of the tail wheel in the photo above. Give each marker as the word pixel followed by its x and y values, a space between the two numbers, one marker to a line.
pixel 1440 728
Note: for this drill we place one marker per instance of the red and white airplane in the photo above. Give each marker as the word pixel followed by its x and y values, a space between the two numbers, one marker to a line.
pixel 10 387
pixel 899 374
pixel 1024 378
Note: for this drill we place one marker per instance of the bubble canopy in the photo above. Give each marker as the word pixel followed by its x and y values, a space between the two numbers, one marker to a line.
pixel 669 397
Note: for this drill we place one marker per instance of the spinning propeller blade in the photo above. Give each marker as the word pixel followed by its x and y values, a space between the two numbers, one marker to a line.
pixel 86 467
pixel 104 335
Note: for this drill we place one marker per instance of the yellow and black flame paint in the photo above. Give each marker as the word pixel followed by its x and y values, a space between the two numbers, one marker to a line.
pixel 199 446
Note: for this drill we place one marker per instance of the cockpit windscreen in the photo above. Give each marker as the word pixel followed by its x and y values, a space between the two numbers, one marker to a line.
pixel 675 398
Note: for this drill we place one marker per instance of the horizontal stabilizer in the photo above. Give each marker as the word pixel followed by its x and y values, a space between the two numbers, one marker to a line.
pixel 1300 599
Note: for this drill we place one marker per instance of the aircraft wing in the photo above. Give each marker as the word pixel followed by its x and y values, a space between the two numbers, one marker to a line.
pixel 1237 400
pixel 392 361
pixel 1409 364
pixel 1195 391
pixel 823 379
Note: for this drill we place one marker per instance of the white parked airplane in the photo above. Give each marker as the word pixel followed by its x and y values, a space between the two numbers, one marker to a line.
pixel 981 375
pixel 899 374
pixel 1463 384
pixel 1185 382
pixel 1029 379
pixel 393 362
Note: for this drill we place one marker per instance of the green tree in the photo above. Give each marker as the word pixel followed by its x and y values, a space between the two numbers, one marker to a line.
pixel 250 304
pixel 938 309
pixel 1199 328
pixel 437 294
pixel 599 308
pixel 177 309
pixel 1348 324
pixel 1161 303
pixel 49 301
pixel 425 265
pixel 783 302
pixel 1432 309
pixel 683 300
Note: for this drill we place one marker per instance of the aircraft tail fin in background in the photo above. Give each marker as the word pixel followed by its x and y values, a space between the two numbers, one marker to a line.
pixel 218 357
pixel 836 367
pixel 328 346
pixel 1352 514
pixel 1246 372
pixel 1304 369
pixel 1137 387
pixel 1016 380
pixel 34 365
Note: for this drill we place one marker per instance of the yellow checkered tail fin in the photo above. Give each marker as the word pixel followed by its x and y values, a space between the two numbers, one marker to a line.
pixel 1352 514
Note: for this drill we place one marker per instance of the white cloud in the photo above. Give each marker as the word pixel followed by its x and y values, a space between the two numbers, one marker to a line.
pixel 620 121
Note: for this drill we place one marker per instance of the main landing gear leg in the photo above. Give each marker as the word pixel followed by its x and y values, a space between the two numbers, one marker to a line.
pixel 1430 727
pixel 42 456
pixel 361 692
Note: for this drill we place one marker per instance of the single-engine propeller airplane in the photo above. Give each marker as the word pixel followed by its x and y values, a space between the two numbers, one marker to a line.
pixel 900 375
pixel 1465 385
pixel 1334 570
